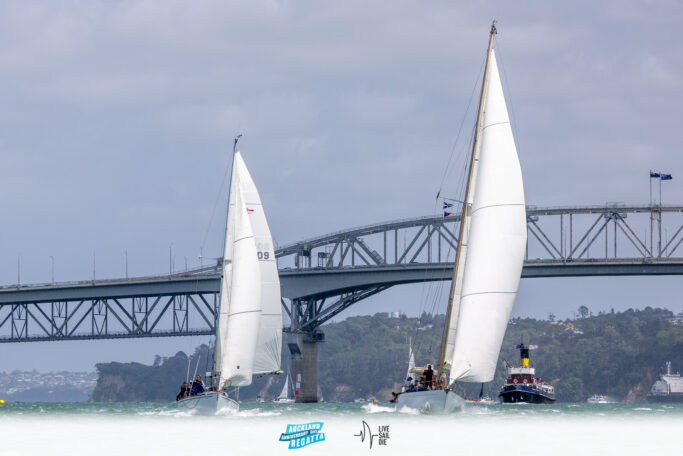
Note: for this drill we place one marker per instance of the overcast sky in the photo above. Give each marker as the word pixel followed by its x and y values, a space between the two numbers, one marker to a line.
pixel 117 118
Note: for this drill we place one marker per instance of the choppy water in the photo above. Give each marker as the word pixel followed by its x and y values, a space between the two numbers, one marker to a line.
pixel 160 429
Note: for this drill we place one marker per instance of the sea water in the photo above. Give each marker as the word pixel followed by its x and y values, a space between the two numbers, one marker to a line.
pixel 160 429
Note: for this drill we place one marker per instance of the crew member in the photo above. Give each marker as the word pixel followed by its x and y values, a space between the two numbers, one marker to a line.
pixel 198 386
pixel 429 376
pixel 183 391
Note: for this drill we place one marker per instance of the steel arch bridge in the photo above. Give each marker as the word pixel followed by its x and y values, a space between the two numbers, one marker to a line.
pixel 322 276
pixel 325 275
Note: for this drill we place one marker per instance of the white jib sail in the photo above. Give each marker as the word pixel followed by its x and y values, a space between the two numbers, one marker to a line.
pixel 496 244
pixel 284 394
pixel 240 308
pixel 267 358
pixel 411 364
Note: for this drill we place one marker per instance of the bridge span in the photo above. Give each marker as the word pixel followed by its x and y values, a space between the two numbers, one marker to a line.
pixel 323 276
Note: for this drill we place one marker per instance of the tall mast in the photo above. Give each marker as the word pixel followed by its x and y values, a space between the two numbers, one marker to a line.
pixel 463 237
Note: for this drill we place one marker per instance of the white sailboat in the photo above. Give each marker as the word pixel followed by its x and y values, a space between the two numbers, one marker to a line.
pixel 285 397
pixel 489 256
pixel 249 329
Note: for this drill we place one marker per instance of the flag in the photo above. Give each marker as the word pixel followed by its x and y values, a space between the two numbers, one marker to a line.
pixel 447 205
pixel 665 177
pixel 653 174
pixel 446 214
pixel 533 347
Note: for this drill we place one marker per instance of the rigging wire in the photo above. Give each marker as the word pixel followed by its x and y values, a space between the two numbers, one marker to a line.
pixel 431 294
pixel 215 205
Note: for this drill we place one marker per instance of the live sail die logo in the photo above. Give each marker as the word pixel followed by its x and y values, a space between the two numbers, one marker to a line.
pixel 380 437
pixel 301 435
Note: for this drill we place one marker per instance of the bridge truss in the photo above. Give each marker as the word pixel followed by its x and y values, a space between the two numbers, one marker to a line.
pixel 614 239
pixel 325 275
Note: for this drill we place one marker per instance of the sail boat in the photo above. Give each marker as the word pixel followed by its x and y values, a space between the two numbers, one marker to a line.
pixel 284 397
pixel 489 256
pixel 249 329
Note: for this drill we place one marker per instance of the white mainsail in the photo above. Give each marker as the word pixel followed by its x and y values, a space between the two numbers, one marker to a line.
pixel 497 239
pixel 249 333
pixel 269 345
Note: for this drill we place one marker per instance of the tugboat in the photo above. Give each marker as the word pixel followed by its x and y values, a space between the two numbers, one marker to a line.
pixel 522 386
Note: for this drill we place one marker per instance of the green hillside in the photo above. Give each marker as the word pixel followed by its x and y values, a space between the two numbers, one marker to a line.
pixel 619 354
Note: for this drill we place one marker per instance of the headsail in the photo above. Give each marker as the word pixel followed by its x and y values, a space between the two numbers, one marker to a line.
pixel 284 394
pixel 240 308
pixel 269 345
pixel 497 240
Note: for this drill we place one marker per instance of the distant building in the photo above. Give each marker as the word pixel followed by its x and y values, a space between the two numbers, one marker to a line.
pixel 677 320
pixel 393 314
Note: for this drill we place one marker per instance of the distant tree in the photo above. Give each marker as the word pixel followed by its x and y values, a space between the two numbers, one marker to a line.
pixel 551 316
pixel 583 311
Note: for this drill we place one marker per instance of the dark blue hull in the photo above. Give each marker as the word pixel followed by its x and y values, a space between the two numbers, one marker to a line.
pixel 514 394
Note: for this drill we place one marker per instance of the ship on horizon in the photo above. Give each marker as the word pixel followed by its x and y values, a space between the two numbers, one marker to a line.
pixel 669 387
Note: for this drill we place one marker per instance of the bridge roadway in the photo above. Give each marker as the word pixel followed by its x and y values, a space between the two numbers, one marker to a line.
pixel 324 282
pixel 351 266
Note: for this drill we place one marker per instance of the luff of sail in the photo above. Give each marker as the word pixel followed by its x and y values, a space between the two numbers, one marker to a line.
pixel 267 358
pixel 497 240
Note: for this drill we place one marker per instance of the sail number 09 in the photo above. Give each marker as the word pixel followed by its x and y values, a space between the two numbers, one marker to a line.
pixel 263 255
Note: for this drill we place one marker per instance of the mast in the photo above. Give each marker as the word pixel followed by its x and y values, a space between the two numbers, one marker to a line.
pixel 461 251
pixel 225 239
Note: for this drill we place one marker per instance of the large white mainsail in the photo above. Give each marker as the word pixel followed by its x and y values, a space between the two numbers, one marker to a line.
pixel 497 239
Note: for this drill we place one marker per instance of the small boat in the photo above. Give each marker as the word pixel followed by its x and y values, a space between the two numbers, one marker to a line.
pixel 599 399
pixel 486 400
pixel 522 386
pixel 489 255
pixel 249 326
pixel 285 396
pixel 359 400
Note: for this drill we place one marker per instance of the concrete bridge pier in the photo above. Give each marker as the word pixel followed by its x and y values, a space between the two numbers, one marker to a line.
pixel 305 365
pixel 303 348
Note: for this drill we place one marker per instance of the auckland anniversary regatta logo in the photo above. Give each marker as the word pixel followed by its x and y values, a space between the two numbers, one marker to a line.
pixel 300 435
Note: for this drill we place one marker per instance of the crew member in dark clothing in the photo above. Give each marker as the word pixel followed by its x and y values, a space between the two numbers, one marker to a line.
pixel 429 376
pixel 198 386
pixel 183 391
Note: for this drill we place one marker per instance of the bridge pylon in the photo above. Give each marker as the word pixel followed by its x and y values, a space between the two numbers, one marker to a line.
pixel 303 348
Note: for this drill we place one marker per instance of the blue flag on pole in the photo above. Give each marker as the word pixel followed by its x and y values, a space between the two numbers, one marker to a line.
pixel 665 177
pixel 447 205
pixel 653 174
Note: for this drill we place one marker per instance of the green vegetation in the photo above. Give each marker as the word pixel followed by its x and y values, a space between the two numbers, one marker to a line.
pixel 619 354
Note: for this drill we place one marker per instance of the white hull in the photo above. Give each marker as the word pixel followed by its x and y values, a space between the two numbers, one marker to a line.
pixel 435 401
pixel 284 401
pixel 210 402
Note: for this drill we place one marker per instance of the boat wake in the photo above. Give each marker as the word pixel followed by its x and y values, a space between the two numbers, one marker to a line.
pixel 374 408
